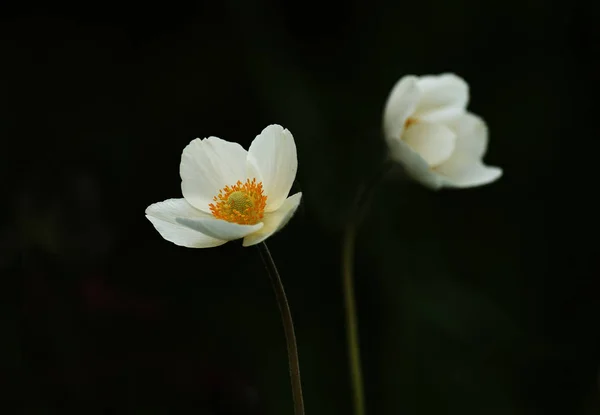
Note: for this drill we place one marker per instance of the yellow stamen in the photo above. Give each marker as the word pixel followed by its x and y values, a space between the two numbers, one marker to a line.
pixel 242 203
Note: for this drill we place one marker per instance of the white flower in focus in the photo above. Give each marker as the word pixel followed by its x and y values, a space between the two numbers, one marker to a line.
pixel 230 193
pixel 430 132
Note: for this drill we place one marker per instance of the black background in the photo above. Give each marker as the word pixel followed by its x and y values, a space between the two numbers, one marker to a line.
pixel 480 301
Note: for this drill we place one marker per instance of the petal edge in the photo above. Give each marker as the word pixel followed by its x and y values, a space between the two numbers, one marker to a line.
pixel 400 105
pixel 163 216
pixel 219 229
pixel 275 221
pixel 272 159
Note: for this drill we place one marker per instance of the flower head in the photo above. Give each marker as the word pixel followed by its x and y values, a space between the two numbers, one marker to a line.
pixel 430 132
pixel 230 193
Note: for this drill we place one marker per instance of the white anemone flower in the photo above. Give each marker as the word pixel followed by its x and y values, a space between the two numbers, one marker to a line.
pixel 429 131
pixel 230 193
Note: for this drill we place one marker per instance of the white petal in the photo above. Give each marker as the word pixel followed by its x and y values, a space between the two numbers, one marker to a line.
pixel 471 136
pixel 414 165
pixel 272 159
pixel 443 97
pixel 274 221
pixel 218 228
pixel 433 142
pixel 209 165
pixel 163 216
pixel 400 105
pixel 465 167
pixel 469 174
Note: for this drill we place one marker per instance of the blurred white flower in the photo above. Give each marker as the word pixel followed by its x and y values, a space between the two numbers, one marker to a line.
pixel 230 193
pixel 429 131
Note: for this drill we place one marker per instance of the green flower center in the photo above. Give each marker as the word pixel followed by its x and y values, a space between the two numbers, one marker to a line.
pixel 240 201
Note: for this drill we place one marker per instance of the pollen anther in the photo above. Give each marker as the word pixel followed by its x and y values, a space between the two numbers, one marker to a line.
pixel 242 203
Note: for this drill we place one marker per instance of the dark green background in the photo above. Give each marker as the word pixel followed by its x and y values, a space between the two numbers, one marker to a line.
pixel 481 301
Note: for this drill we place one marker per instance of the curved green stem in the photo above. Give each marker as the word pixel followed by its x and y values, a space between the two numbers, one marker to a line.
pixel 288 326
pixel 363 198
pixel 352 336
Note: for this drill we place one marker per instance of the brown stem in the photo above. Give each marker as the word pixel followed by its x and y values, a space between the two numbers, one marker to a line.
pixel 288 326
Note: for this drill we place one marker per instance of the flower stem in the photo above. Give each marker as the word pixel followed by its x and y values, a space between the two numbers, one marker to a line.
pixel 362 200
pixel 352 337
pixel 288 326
